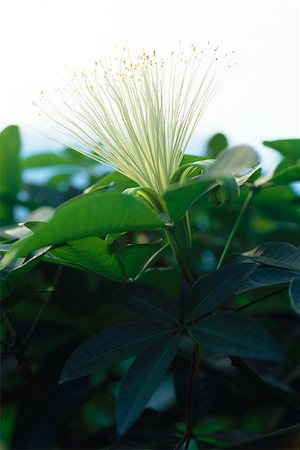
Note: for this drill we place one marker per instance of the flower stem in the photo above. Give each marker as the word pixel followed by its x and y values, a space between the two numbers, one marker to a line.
pixel 236 226
pixel 180 240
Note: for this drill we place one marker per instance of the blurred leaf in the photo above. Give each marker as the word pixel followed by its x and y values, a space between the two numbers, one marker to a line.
pixel 294 293
pixel 216 144
pixel 285 174
pixel 110 346
pixel 289 148
pixel 215 289
pixel 10 172
pixel 147 302
pixel 88 215
pixel 43 160
pixel 277 254
pixel 237 335
pixel 142 379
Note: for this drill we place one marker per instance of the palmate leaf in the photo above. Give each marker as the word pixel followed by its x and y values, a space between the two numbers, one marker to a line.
pixel 215 289
pixel 110 346
pixel 94 214
pixel 149 303
pixel 142 379
pixel 237 335
pixel 276 254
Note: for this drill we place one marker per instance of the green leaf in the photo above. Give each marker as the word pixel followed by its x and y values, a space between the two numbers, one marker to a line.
pixel 237 335
pixel 179 199
pixel 43 160
pixel 232 161
pixel 147 302
pixel 216 144
pixel 266 276
pixel 215 289
pixel 277 254
pixel 167 279
pixel 142 379
pixel 114 179
pixel 229 162
pixel 294 293
pixel 289 148
pixel 92 254
pixel 10 173
pixel 94 214
pixel 110 346
pixel 134 258
pixel 285 174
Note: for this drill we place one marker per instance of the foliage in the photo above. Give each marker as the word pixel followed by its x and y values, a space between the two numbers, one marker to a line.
pixel 107 292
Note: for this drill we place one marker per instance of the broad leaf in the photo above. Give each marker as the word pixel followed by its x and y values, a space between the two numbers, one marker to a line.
pixel 237 335
pixel 277 254
pixel 10 174
pixel 92 254
pixel 215 289
pixel 294 293
pixel 142 379
pixel 43 160
pixel 94 214
pixel 167 279
pixel 266 276
pixel 216 144
pixel 110 346
pixel 289 148
pixel 134 259
pixel 147 302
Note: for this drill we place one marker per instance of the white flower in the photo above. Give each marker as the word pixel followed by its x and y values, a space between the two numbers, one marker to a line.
pixel 137 114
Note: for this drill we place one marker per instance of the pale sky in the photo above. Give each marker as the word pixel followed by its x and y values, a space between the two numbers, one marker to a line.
pixel 259 100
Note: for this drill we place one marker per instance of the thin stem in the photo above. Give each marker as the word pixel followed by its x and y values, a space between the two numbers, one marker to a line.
pixel 179 255
pixel 235 227
pixel 189 399
pixel 43 307
pixel 247 305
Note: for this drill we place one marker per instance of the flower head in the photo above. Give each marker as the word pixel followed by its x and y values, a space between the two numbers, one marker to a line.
pixel 137 114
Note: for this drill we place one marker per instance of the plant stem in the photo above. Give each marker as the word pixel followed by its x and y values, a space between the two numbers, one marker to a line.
pixel 253 302
pixel 235 227
pixel 189 399
pixel 179 255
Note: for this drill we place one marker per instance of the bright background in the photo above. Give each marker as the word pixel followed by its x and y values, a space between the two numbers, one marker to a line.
pixel 259 101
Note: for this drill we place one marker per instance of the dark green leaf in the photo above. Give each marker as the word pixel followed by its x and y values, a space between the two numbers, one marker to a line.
pixel 237 335
pixel 94 214
pixel 10 173
pixel 215 289
pixel 134 258
pixel 147 302
pixel 277 254
pixel 266 276
pixel 142 379
pixel 294 293
pixel 113 179
pixel 110 346
pixel 216 144
pixel 167 279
